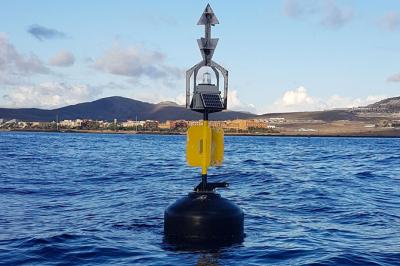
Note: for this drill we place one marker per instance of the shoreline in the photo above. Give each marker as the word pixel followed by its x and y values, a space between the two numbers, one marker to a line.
pixel 366 134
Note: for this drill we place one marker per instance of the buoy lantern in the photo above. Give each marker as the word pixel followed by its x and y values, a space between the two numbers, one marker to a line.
pixel 203 216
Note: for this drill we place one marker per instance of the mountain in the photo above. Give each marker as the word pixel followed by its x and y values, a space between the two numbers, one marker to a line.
pixel 327 116
pixel 128 109
pixel 115 107
pixel 168 103
pixel 389 105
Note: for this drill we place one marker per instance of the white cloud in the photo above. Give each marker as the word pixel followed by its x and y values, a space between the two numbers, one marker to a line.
pixel 337 101
pixel 298 100
pixel 62 59
pixel 181 99
pixel 390 21
pixel 136 62
pixel 14 66
pixel 235 104
pixel 50 95
pixel 296 97
pixel 158 96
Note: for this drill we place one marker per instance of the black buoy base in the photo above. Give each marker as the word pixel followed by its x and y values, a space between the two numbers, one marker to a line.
pixel 203 217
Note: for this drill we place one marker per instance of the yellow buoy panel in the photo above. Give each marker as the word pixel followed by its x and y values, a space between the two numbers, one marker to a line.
pixel 205 146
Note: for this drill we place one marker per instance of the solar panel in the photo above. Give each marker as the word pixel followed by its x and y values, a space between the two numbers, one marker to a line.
pixel 212 101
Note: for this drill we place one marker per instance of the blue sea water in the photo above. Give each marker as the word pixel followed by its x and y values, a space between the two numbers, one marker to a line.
pixel 98 199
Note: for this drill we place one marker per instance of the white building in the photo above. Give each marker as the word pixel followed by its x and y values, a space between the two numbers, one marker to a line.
pixel 133 123
pixel 71 123
pixel 276 120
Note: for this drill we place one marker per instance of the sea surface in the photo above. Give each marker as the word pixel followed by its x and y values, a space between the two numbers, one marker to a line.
pixel 98 199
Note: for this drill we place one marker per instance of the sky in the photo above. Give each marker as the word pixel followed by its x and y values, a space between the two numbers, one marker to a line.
pixel 282 55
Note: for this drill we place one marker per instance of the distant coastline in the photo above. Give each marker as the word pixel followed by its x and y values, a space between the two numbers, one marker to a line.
pixel 389 133
pixel 118 115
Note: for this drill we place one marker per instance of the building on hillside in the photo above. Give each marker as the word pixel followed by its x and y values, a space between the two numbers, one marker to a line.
pixel 34 124
pixel 395 123
pixel 133 124
pixel 211 123
pixel 165 126
pixel 277 120
pixel 22 124
pixel 45 125
pixel 233 125
pixel 103 124
pixel 195 123
pixel 11 121
pixel 244 125
pixel 71 123
pixel 218 124
pixel 179 124
pixel 256 124
pixel 90 124
pixel 151 125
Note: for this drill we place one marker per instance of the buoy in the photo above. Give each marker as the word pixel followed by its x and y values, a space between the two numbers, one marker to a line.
pixel 203 216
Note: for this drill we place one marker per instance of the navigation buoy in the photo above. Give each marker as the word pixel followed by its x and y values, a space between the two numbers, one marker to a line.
pixel 203 215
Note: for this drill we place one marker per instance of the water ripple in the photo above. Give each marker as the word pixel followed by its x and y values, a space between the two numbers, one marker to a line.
pixel 74 199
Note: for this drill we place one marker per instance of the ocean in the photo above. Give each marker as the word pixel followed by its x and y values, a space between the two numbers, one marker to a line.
pixel 98 199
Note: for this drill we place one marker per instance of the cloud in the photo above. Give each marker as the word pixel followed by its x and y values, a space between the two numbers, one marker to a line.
pixel 14 66
pixel 62 59
pixel 181 99
pixel 235 104
pixel 42 33
pixel 394 78
pixel 50 95
pixel 337 101
pixel 335 16
pixel 294 100
pixel 298 100
pixel 296 97
pixel 158 96
pixel 390 21
pixel 326 12
pixel 136 62
pixel 298 9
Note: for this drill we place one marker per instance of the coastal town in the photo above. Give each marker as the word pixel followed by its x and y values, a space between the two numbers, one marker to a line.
pixel 129 116
pixel 383 126
pixel 238 125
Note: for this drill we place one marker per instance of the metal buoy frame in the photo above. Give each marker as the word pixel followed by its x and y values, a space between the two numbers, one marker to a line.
pixel 203 216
